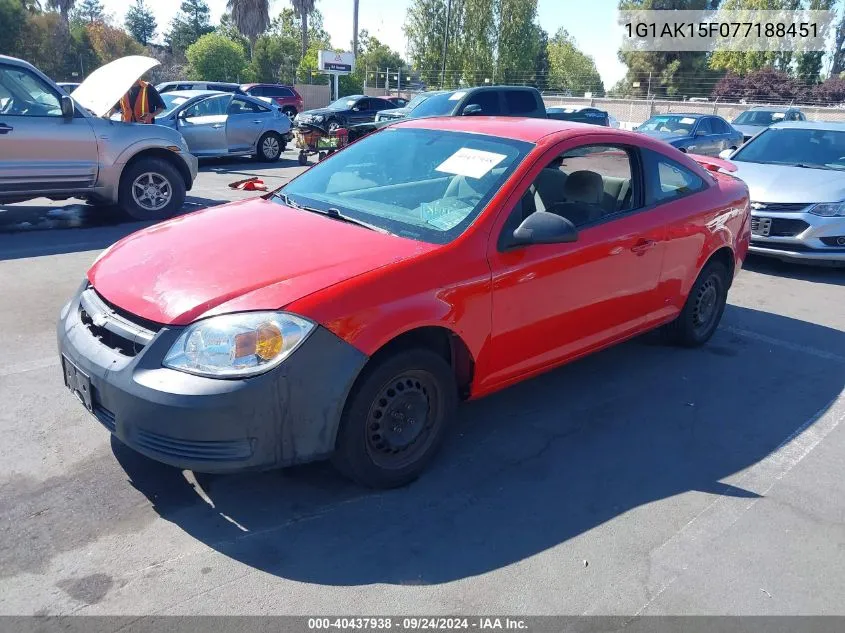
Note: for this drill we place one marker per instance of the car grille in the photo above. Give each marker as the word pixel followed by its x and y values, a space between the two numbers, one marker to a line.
pixel 780 207
pixel 777 227
pixel 117 329
pixel 228 450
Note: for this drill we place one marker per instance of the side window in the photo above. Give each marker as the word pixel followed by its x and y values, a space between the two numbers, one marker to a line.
pixel 280 91
pixel 242 106
pixel 25 94
pixel 362 105
pixel 520 102
pixel 488 100
pixel 213 106
pixel 719 126
pixel 585 185
pixel 667 180
pixel 380 104
pixel 704 126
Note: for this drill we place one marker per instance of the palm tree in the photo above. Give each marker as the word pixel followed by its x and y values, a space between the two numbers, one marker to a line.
pixel 33 6
pixel 64 7
pixel 252 17
pixel 303 8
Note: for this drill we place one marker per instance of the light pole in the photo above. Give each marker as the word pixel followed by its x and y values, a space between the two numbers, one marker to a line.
pixel 355 28
pixel 446 43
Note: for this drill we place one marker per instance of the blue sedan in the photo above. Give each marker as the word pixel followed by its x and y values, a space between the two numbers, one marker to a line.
pixel 695 133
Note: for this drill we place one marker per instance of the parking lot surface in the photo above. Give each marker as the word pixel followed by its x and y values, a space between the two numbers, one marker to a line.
pixel 642 480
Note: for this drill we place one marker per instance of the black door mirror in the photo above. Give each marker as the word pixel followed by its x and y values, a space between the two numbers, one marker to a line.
pixel 472 109
pixel 542 227
pixel 68 108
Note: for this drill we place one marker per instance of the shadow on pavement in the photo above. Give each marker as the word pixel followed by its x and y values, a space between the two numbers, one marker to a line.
pixel 528 468
pixel 32 230
pixel 803 272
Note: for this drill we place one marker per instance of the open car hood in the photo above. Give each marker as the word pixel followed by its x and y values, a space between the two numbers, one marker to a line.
pixel 106 85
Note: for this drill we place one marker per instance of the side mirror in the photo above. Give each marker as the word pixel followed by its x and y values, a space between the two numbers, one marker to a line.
pixel 356 108
pixel 472 109
pixel 542 227
pixel 726 153
pixel 68 108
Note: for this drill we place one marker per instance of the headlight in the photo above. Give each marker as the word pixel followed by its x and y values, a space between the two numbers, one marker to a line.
pixel 237 345
pixel 317 117
pixel 828 209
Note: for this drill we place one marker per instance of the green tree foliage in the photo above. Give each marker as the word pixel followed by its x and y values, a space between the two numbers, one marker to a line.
pixel 227 29
pixel 517 46
pixel 303 10
pixel 140 22
pixel 671 73
pixel 214 57
pixel 88 12
pixel 473 39
pixel 570 69
pixel 64 7
pixel 110 43
pixel 542 64
pixel 808 65
pixel 275 59
pixel 13 18
pixel 190 24
pixel 425 30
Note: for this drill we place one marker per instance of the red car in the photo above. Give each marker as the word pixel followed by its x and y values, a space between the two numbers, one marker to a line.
pixel 286 96
pixel 346 314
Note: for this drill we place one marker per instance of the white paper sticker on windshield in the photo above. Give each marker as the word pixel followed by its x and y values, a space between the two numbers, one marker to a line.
pixel 473 163
pixel 687 120
pixel 778 115
pixel 457 96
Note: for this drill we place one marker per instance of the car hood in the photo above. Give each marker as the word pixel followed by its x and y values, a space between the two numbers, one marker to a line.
pixel 106 85
pixel 665 136
pixel 783 183
pixel 749 130
pixel 396 112
pixel 323 111
pixel 250 255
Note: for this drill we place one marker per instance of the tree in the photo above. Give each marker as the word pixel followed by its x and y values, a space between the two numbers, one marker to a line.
pixel 424 31
pixel 542 64
pixel 303 8
pixel 570 69
pixel 473 33
pixel 140 22
pixel 214 57
pixel 13 18
pixel 111 43
pixel 830 92
pixel 275 59
pixel 88 12
pixel 808 64
pixel 252 17
pixel 190 24
pixel 63 7
pixel 766 85
pixel 516 48
pixel 837 65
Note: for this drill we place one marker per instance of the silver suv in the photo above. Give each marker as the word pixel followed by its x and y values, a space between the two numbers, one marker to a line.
pixel 51 147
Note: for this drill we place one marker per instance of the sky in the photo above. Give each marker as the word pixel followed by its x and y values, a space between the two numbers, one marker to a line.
pixel 591 22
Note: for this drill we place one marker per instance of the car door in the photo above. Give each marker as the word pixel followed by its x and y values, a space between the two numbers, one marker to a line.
pixel 245 123
pixel 361 112
pixel 40 150
pixel 723 135
pixel 203 124
pixel 557 301
pixel 703 141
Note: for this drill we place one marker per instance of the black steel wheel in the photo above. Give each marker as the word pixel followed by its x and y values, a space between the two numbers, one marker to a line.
pixel 395 419
pixel 703 309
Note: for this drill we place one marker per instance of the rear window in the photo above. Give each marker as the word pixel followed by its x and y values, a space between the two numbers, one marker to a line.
pixel 521 102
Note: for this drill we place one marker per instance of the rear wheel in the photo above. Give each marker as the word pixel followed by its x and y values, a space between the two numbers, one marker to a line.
pixel 703 310
pixel 151 189
pixel 270 147
pixel 290 112
pixel 395 419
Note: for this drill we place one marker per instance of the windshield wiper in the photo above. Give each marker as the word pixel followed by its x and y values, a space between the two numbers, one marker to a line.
pixel 812 166
pixel 333 213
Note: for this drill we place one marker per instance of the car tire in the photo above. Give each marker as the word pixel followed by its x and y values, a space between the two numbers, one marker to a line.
pixel 135 199
pixel 332 125
pixel 416 391
pixel 703 310
pixel 290 113
pixel 270 147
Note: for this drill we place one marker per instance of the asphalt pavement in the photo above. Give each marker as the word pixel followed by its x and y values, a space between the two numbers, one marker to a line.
pixel 644 479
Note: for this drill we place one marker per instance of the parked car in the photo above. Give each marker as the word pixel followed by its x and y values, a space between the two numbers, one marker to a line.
pixel 795 173
pixel 697 133
pixel 345 112
pixel 345 315
pixel 579 114
pixel 224 124
pixel 288 99
pixel 68 86
pixel 58 147
pixel 402 112
pixel 219 86
pixel 758 118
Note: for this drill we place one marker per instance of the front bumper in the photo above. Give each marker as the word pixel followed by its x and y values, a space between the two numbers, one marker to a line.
pixel 798 236
pixel 286 416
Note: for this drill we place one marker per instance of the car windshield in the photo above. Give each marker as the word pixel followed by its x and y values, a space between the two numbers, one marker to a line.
pixel 171 102
pixel 666 123
pixel 344 103
pixel 822 149
pixel 430 191
pixel 413 103
pixel 436 105
pixel 759 117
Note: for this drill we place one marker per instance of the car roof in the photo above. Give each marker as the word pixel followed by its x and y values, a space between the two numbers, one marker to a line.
pixel 827 126
pixel 774 108
pixel 526 129
pixel 694 115
pixel 190 94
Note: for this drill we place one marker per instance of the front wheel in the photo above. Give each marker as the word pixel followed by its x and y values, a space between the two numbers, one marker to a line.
pixel 270 147
pixel 395 419
pixel 151 189
pixel 703 310
pixel 333 125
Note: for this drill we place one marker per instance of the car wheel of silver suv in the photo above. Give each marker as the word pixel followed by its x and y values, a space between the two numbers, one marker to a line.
pixel 151 189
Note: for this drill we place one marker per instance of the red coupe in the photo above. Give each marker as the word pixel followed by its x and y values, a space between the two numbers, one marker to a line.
pixel 346 314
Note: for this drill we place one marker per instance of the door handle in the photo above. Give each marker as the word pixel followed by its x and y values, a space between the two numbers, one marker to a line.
pixel 217 126
pixel 643 246
pixel 5 129
pixel 257 121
